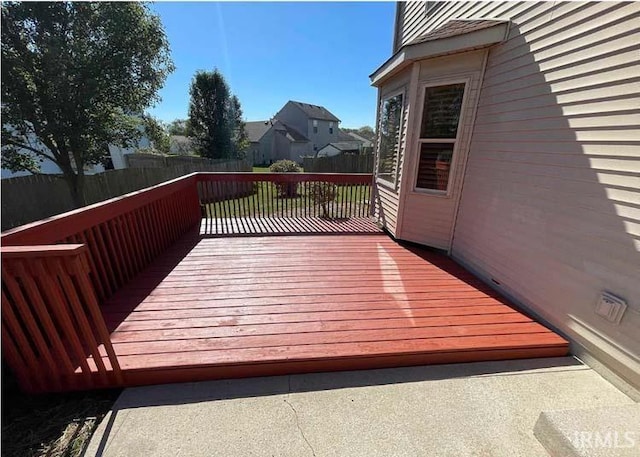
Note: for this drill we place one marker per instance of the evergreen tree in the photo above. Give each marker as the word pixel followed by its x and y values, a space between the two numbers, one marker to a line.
pixel 215 118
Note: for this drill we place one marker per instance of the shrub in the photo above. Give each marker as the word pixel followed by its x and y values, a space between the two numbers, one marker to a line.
pixel 285 166
pixel 288 189
pixel 323 193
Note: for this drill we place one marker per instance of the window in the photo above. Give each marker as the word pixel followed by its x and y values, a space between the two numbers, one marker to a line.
pixel 438 132
pixel 331 128
pixel 315 126
pixel 389 138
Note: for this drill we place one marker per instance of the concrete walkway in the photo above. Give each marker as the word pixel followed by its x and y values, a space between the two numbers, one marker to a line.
pixel 475 409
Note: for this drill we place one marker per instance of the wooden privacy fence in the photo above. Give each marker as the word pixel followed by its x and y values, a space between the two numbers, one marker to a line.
pixel 49 292
pixel 344 163
pixel 194 164
pixel 270 195
pixel 31 198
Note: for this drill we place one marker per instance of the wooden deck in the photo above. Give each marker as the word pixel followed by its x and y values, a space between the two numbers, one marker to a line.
pixel 251 306
pixel 287 225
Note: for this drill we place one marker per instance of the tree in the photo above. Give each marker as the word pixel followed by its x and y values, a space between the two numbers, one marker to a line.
pixel 74 78
pixel 240 138
pixel 178 127
pixel 215 118
pixel 157 134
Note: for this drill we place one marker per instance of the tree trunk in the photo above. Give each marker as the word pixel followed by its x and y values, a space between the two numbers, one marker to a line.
pixel 76 187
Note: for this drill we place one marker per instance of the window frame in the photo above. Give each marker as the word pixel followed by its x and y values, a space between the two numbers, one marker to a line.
pixel 392 185
pixel 455 141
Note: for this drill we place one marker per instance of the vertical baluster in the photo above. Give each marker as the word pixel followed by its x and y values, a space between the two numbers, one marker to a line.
pixel 25 312
pixel 120 250
pixel 59 309
pixel 80 314
pixel 44 317
pixel 111 254
pixel 23 361
pixel 76 267
pixel 96 267
pixel 95 235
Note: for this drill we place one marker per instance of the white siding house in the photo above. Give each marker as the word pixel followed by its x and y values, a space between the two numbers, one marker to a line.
pixel 519 154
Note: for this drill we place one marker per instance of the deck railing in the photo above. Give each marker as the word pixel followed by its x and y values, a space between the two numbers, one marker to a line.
pixel 57 272
pixel 278 195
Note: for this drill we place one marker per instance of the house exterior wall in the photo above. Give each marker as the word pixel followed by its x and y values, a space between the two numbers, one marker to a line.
pixel 300 150
pixel 550 206
pixel 436 229
pixel 323 137
pixel 294 117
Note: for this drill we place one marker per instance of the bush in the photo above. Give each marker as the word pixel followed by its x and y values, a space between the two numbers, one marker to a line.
pixel 323 193
pixel 285 166
pixel 289 189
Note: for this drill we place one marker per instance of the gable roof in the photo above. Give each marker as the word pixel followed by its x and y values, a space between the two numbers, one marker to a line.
pixel 256 129
pixel 344 146
pixel 315 111
pixel 294 135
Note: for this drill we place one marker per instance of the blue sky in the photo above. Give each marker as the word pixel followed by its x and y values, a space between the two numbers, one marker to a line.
pixel 319 53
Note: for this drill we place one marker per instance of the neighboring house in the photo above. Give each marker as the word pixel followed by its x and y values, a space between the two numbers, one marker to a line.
pixel 508 137
pixel 180 145
pixel 116 154
pixel 341 147
pixel 272 140
pixel 297 130
pixel 351 136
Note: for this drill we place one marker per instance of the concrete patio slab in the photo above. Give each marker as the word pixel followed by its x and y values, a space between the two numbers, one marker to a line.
pixel 474 409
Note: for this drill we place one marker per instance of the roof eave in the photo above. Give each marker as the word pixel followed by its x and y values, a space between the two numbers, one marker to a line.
pixel 408 54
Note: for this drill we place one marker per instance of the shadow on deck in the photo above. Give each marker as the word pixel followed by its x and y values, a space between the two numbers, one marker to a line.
pixel 265 226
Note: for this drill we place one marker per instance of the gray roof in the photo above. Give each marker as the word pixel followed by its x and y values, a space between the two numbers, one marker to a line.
pixel 294 135
pixel 256 129
pixel 456 27
pixel 351 136
pixel 345 145
pixel 315 111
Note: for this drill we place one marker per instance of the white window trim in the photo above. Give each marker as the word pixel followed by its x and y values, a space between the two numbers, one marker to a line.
pixel 381 181
pixel 456 149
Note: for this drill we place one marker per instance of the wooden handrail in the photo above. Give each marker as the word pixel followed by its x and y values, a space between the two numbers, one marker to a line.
pixel 58 227
pixel 123 235
pixel 336 178
pixel 52 327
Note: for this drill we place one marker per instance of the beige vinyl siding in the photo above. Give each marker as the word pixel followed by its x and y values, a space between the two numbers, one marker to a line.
pixel 386 204
pixel 550 205
pixel 428 219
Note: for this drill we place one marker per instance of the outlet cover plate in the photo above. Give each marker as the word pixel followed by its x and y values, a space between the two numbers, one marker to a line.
pixel 611 307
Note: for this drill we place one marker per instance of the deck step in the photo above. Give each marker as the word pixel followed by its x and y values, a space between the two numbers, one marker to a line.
pixel 594 432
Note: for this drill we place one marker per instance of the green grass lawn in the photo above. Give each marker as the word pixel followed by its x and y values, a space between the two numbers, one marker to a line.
pixel 264 201
pixel 261 169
